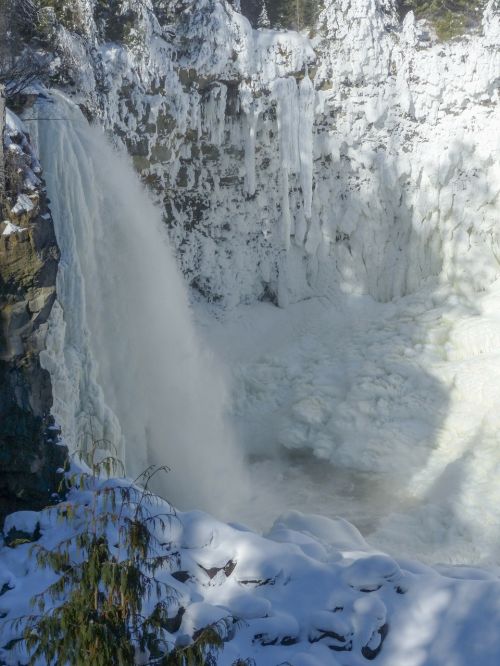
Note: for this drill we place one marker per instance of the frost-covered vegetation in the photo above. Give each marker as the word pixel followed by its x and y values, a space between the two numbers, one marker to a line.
pixel 449 18
pixel 109 605
pixel 282 14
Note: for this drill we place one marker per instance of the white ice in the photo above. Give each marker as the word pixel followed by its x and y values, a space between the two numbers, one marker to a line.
pixel 385 414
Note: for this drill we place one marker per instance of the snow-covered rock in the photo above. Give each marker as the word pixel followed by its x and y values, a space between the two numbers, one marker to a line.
pixel 346 608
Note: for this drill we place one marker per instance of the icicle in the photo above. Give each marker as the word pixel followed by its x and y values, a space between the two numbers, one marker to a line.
pixel 286 215
pixel 251 108
pixel 214 114
pixel 286 93
pixel 306 120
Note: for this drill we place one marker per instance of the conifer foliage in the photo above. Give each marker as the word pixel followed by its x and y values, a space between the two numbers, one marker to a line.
pixel 108 605
pixel 263 20
pixel 281 14
pixel 450 18
pixel 294 14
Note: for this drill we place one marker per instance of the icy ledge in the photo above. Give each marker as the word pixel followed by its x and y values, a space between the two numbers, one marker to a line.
pixel 310 593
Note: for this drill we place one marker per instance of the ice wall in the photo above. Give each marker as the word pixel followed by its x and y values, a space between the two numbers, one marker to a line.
pixel 365 160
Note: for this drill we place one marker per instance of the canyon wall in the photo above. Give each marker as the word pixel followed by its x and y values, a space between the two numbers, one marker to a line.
pixel 363 159
pixel 29 452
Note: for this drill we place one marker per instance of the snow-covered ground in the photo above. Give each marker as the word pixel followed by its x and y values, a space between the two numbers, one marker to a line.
pixel 311 593
pixel 384 414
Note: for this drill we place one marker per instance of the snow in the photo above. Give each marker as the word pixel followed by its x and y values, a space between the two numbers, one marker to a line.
pixel 22 521
pixel 13 124
pixel 385 414
pixel 296 600
pixel 23 205
pixel 11 228
pixel 16 141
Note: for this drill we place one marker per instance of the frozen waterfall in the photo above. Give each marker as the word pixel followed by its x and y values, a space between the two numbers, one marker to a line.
pixel 123 355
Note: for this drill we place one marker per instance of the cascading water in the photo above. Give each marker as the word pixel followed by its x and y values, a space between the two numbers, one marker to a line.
pixel 123 355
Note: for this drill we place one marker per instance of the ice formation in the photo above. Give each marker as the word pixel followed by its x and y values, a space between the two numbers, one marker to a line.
pixel 124 358
pixel 364 161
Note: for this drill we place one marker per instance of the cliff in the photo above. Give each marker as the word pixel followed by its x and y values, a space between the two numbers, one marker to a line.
pixel 29 455
pixel 290 166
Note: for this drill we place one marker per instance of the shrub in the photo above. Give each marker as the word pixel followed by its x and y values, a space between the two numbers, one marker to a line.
pixel 108 607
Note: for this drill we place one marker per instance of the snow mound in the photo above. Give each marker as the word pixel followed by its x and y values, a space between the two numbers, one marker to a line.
pixel 311 592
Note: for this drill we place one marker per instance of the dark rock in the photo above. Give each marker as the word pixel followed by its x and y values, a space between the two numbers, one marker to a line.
pixel 213 571
pixel 15 537
pixel 173 624
pixel 181 576
pixel 370 653
pixel 30 456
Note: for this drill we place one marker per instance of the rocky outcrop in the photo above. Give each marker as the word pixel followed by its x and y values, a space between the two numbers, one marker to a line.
pixel 29 453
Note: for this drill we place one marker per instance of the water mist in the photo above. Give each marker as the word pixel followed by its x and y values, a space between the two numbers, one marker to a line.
pixel 123 354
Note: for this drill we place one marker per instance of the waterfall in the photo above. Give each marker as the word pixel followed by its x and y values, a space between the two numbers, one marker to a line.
pixel 123 354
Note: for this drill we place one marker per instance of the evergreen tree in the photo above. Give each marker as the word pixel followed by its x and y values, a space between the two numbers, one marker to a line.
pixel 450 18
pixel 293 14
pixel 108 606
pixel 263 20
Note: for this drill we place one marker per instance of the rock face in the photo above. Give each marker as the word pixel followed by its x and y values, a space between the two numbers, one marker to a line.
pixel 363 160
pixel 29 455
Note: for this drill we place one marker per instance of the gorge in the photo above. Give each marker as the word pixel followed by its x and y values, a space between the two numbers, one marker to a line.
pixel 296 310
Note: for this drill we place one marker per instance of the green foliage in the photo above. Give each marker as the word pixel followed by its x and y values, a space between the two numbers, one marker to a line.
pixel 67 13
pixel 450 18
pixel 293 14
pixel 108 604
pixel 201 653
pixel 289 14
pixel 16 538
pixel 116 21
